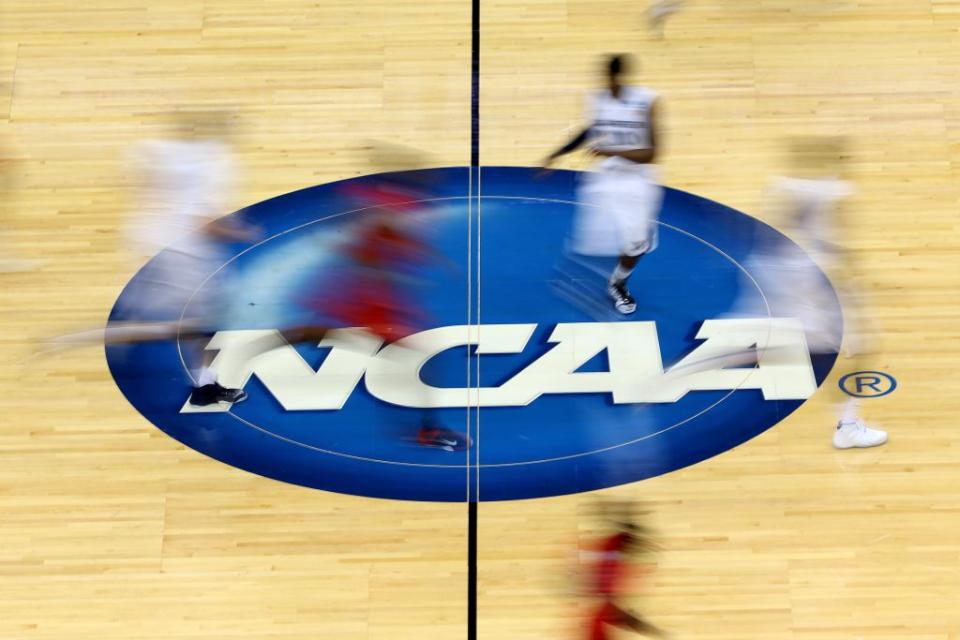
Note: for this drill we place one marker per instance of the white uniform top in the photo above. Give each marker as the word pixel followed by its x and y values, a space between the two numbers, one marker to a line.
pixel 621 124
pixel 184 184
pixel 620 200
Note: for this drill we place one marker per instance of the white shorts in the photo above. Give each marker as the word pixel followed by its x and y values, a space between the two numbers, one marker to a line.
pixel 617 214
pixel 796 289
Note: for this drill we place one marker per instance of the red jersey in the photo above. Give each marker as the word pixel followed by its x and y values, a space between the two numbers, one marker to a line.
pixel 610 572
pixel 611 565
pixel 372 293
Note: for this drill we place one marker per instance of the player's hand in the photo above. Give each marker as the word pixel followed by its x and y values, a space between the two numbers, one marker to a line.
pixel 603 153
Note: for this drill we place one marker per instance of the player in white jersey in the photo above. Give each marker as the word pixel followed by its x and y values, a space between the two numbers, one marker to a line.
pixel 182 186
pixel 621 198
pixel 807 203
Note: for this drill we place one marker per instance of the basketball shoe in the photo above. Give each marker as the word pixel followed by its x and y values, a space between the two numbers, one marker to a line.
pixel 622 300
pixel 213 393
pixel 431 435
pixel 856 434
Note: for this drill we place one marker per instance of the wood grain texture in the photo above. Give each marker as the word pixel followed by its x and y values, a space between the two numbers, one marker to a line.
pixel 112 530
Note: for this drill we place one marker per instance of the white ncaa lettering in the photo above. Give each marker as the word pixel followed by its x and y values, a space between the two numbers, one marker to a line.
pixel 394 375
pixel 780 369
pixel 783 369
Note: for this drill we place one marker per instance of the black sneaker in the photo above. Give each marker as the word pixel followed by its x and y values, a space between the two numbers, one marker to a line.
pixel 213 393
pixel 622 300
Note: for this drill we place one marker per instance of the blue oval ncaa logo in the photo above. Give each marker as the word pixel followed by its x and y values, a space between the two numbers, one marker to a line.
pixel 560 397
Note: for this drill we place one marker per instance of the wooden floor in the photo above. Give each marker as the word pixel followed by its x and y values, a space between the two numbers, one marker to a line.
pixel 109 529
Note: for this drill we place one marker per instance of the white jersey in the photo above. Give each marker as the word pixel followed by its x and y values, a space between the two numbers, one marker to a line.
pixel 183 185
pixel 619 202
pixel 621 124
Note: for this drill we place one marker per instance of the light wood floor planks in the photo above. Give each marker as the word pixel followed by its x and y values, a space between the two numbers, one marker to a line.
pixel 109 529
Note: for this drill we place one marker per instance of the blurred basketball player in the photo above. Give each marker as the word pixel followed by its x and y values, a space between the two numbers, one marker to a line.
pixel 612 562
pixel 185 183
pixel 375 287
pixel 808 204
pixel 182 184
pixel 813 198
pixel 619 201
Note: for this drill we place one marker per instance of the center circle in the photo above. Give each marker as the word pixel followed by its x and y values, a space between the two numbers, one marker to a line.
pixel 500 259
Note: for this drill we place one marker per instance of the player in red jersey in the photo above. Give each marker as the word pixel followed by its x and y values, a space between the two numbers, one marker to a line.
pixel 375 291
pixel 381 252
pixel 612 563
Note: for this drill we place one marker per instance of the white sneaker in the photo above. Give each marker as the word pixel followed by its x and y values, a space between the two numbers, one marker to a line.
pixel 857 434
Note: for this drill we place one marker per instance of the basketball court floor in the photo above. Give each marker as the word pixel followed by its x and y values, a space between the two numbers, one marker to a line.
pixel 118 521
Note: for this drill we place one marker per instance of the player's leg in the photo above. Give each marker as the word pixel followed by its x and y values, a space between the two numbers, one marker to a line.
pixel 634 204
pixel 626 620
pixel 208 309
pixel 851 430
pixel 623 301
pixel 610 615
pixel 850 346
pixel 595 233
pixel 206 388
pixel 431 431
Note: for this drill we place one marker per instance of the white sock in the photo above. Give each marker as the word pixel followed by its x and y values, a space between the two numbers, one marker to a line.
pixel 850 411
pixel 620 274
pixel 206 376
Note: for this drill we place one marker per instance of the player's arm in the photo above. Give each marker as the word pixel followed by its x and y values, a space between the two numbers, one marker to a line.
pixel 640 156
pixel 576 142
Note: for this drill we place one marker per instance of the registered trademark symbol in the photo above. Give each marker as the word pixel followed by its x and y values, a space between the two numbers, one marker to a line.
pixel 868 384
